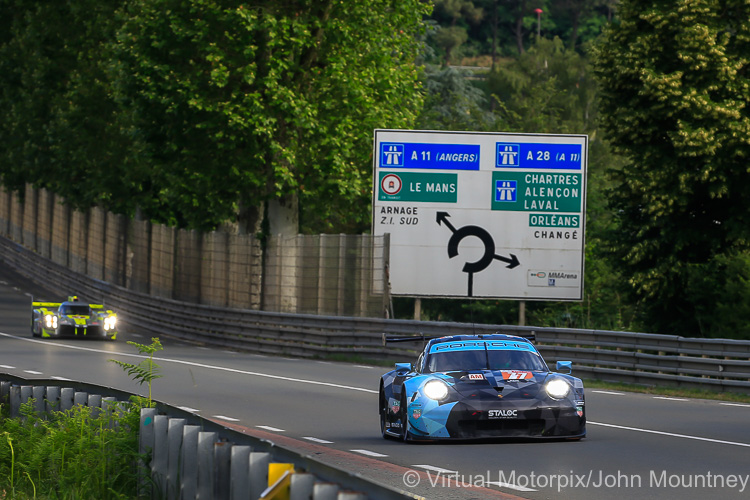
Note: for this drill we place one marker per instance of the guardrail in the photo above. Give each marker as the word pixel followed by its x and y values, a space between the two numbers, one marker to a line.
pixel 192 457
pixel 638 358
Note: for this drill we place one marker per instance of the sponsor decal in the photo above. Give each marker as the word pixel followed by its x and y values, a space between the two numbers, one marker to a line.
pixel 480 345
pixel 416 413
pixel 513 375
pixel 395 405
pixel 579 411
pixel 476 376
pixel 502 414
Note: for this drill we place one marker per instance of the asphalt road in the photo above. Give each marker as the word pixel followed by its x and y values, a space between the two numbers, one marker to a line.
pixel 637 446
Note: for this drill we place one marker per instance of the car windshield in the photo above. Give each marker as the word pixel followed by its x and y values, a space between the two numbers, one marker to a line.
pixel 75 310
pixel 477 359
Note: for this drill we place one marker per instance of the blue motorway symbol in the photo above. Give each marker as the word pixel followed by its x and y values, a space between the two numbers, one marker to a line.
pixel 538 155
pixel 505 190
pixel 429 156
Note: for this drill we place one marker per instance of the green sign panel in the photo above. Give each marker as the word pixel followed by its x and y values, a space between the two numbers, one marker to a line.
pixel 536 192
pixel 418 186
pixel 554 220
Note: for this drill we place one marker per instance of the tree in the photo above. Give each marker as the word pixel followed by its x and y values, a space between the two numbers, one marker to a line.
pixel 547 89
pixel 240 105
pixel 453 36
pixel 675 89
pixel 453 103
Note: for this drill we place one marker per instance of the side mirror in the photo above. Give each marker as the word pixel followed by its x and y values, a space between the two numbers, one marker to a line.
pixel 403 366
pixel 565 367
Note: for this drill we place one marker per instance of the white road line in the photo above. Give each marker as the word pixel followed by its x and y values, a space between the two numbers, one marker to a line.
pixel 32 372
pixel 228 419
pixel 187 408
pixel 735 404
pixel 191 363
pixel 671 399
pixel 510 486
pixel 369 453
pixel 55 377
pixel 439 470
pixel 8 367
pixel 317 440
pixel 363 366
pixel 671 434
pixel 609 392
pixel 269 428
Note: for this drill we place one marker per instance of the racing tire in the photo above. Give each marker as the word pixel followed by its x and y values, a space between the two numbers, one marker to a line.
pixel 383 403
pixel 406 435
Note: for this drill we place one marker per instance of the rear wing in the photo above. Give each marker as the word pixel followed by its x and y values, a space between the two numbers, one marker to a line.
pixel 423 338
pixel 98 308
pixel 45 305
pixel 420 338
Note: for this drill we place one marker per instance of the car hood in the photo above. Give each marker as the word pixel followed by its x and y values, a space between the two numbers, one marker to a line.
pixel 522 384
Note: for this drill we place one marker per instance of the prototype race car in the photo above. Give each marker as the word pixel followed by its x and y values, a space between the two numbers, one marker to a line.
pixel 477 387
pixel 72 318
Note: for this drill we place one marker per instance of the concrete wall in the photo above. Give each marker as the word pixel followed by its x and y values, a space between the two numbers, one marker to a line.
pixel 321 274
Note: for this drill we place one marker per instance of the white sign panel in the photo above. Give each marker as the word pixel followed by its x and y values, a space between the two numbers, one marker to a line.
pixel 482 214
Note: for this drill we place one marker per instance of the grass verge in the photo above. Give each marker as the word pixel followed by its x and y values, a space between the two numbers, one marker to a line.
pixel 668 391
pixel 80 453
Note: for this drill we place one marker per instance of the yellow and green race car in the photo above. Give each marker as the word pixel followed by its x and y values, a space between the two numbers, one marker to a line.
pixel 72 318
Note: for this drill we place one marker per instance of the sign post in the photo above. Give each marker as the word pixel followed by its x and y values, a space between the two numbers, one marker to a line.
pixel 482 214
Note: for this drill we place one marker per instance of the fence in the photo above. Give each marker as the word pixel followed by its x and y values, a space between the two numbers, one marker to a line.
pixel 192 457
pixel 324 274
pixel 638 358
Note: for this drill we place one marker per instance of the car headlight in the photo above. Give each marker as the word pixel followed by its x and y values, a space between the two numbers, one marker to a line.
pixel 109 323
pixel 557 388
pixel 435 389
pixel 50 321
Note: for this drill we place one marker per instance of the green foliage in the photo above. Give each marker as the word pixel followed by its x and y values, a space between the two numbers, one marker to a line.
pixel 240 104
pixel 196 113
pixel 674 102
pixel 452 102
pixel 548 89
pixel 80 453
pixel 147 370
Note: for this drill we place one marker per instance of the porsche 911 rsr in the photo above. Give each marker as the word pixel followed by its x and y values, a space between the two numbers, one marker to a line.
pixel 480 386
pixel 72 318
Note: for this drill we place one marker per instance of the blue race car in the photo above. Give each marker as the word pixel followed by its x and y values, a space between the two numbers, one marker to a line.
pixel 477 387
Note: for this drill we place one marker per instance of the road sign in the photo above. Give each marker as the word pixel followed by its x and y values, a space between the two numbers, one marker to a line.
pixel 482 214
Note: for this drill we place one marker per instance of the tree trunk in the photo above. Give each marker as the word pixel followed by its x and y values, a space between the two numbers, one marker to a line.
pixel 283 215
pixel 519 25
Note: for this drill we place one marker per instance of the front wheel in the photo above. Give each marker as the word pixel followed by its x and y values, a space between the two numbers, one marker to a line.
pixel 383 404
